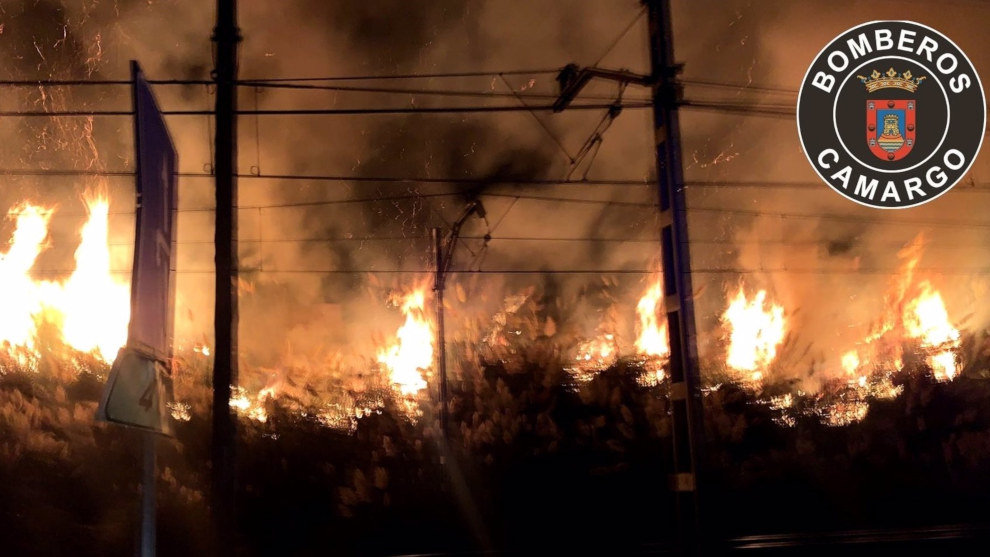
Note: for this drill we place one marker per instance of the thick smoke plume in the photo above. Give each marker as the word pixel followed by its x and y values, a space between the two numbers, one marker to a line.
pixel 828 272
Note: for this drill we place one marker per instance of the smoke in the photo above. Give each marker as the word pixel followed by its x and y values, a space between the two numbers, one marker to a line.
pixel 485 155
pixel 291 305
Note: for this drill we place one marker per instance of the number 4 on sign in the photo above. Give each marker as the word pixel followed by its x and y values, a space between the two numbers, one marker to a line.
pixel 137 393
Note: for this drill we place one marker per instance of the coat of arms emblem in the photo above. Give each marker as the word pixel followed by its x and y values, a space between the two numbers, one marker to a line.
pixel 891 123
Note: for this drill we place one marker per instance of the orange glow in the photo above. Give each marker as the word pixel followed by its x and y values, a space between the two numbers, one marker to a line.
pixel 411 355
pixel 756 330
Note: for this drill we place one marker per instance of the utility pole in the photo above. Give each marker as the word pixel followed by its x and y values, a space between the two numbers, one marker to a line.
pixel 226 36
pixel 443 253
pixel 685 381
pixel 439 282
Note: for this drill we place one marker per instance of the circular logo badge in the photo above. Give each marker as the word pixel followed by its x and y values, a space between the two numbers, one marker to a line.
pixel 891 114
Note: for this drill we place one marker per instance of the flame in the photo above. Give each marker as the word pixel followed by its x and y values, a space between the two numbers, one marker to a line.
pixel 922 318
pixel 926 319
pixel 870 367
pixel 756 328
pixel 96 307
pixel 253 407
pixel 652 342
pixel 850 362
pixel 594 355
pixel 781 402
pixel 91 309
pixel 651 339
pixel 341 411
pixel 19 294
pixel 412 352
pixel 845 413
pixel 181 411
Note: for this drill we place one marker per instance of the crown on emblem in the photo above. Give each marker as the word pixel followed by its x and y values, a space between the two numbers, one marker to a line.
pixel 891 80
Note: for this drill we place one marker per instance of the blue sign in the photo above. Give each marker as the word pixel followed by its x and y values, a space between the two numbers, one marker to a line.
pixel 139 388
pixel 153 275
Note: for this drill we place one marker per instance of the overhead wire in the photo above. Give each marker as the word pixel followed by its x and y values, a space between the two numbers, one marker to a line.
pixel 542 124
pixel 372 77
pixel 341 178
pixel 738 107
pixel 427 92
pixel 327 111
pixel 621 35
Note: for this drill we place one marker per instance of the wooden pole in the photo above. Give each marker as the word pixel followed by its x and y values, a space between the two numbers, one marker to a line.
pixel 226 36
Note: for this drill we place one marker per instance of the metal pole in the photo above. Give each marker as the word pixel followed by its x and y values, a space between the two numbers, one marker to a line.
pixel 438 287
pixel 226 35
pixel 685 382
pixel 148 496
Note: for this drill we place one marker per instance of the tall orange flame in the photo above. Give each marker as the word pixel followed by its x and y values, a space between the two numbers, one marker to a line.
pixel 91 309
pixel 911 311
pixel 95 306
pixel 926 319
pixel 412 352
pixel 20 295
pixel 651 338
pixel 756 329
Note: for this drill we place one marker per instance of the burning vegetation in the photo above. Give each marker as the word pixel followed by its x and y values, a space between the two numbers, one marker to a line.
pixel 756 329
pixel 915 320
pixel 411 355
pixel 525 385
pixel 87 312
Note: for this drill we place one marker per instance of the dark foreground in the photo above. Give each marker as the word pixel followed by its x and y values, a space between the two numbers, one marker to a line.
pixel 537 464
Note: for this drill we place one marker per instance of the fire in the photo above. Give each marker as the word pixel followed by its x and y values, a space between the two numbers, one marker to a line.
pixel 594 355
pixel 180 411
pixel 19 293
pixel 91 309
pixel 913 311
pixel 850 362
pixel 253 407
pixel 95 307
pixel 756 328
pixel 926 319
pixel 845 413
pixel 651 340
pixel 412 352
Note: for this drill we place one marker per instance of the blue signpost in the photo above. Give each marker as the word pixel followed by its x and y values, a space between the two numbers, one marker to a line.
pixel 139 388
